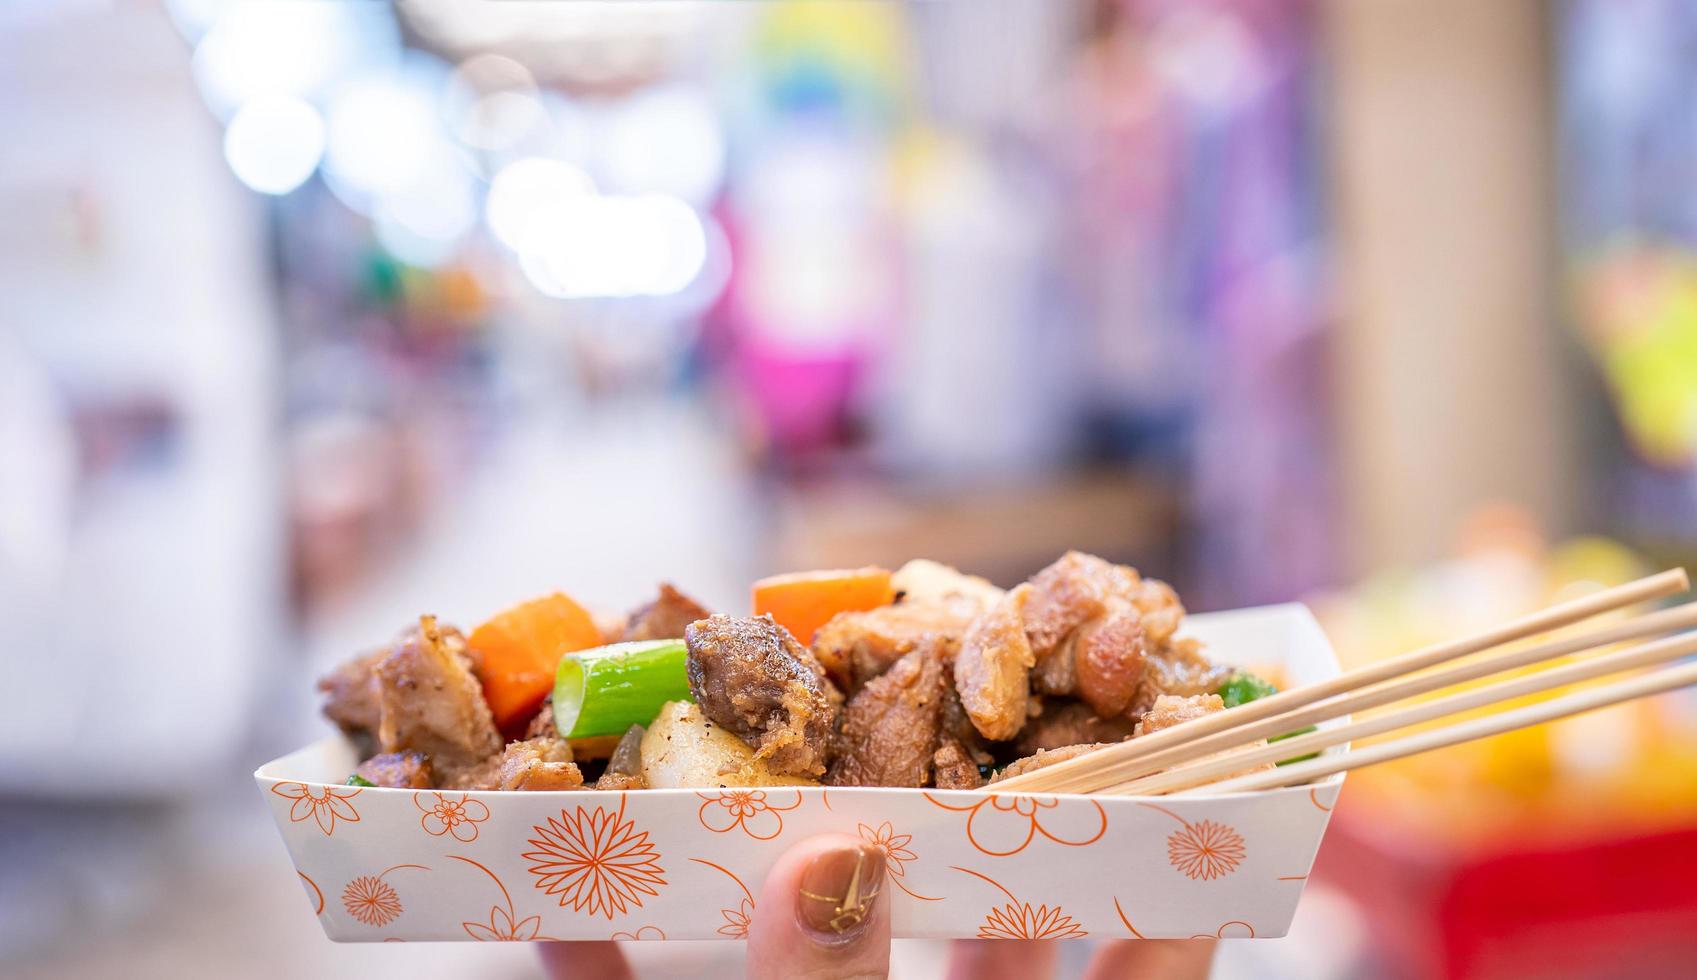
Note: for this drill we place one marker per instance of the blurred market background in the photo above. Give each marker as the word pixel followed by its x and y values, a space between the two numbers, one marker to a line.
pixel 317 315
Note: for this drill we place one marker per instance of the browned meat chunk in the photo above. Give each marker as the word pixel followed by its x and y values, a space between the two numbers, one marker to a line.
pixel 1091 625
pixel 665 618
pixel 1046 757
pixel 1161 610
pixel 1178 669
pixel 351 695
pixel 1108 655
pixel 855 647
pixel 890 728
pixel 1065 594
pixel 1064 723
pixel 538 764
pixel 953 767
pixel 751 677
pixel 542 723
pixel 397 770
pixel 619 782
pixel 1170 710
pixel 1057 674
pixel 991 668
pixel 430 703
pixel 924 579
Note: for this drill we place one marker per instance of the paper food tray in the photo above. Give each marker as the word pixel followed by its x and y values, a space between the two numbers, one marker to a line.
pixel 391 864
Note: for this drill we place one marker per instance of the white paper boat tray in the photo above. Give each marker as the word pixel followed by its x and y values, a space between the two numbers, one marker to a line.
pixel 389 864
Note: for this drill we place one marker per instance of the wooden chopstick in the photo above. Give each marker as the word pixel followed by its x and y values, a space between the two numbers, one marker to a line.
pixel 1643 685
pixel 1203 771
pixel 1661 621
pixel 1126 760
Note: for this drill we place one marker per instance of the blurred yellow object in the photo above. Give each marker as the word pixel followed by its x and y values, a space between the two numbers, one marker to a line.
pixel 1638 307
pixel 1629 768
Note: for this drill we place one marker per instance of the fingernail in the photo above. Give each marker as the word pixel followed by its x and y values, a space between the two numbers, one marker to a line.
pixel 838 891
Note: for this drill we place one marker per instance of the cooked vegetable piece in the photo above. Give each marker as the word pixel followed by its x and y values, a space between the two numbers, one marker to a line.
pixel 804 601
pixel 1300 758
pixel 520 649
pixel 1244 687
pixel 683 748
pixel 357 780
pixel 626 759
pixel 605 690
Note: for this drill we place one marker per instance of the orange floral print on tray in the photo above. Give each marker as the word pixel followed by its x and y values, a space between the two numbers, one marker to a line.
pixel 645 934
pixel 1226 931
pixel 754 811
pixel 373 901
pixel 595 860
pixel 334 803
pixel 1002 824
pixel 737 919
pixel 1018 920
pixel 896 854
pixel 1203 850
pixel 317 893
pixel 504 925
pixel 445 815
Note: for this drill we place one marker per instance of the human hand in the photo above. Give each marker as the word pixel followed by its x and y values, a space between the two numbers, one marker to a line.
pixel 822 914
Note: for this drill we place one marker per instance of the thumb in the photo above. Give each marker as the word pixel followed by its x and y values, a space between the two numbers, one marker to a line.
pixel 822 914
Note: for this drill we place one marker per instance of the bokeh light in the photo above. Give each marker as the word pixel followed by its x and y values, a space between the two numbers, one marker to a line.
pixel 618 246
pixel 284 49
pixel 525 197
pixel 274 143
pixel 666 141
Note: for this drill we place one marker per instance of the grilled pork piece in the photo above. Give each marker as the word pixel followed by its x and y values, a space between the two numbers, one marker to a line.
pixel 890 729
pixel 397 770
pixel 1063 723
pixel 665 618
pixel 429 702
pixel 953 767
pixel 1170 710
pixel 991 668
pixel 538 764
pixel 351 699
pixel 925 580
pixel 1071 590
pixel 1178 668
pixel 752 678
pixel 855 647
pixel 1045 757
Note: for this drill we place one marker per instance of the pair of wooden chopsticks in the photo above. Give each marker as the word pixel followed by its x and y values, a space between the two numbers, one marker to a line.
pixel 1197 755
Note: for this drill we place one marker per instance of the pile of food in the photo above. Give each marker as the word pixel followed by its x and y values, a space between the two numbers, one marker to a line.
pixel 922 677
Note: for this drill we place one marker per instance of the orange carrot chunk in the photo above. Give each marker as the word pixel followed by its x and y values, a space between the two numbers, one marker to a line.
pixel 520 650
pixel 801 602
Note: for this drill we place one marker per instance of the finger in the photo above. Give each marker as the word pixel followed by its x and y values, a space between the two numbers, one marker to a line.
pixel 822 914
pixel 1168 959
pixel 1002 959
pixel 584 961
